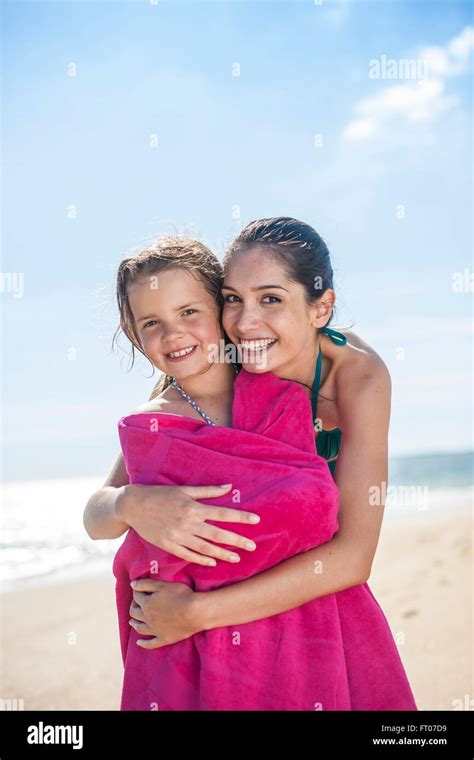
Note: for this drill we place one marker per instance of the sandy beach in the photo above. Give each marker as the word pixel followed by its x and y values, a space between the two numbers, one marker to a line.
pixel 60 646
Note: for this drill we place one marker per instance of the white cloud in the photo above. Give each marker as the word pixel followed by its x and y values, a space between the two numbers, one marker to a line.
pixel 461 46
pixel 337 11
pixel 416 101
pixel 361 129
pixel 452 59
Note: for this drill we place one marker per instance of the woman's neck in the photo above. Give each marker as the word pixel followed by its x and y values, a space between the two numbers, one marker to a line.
pixel 301 368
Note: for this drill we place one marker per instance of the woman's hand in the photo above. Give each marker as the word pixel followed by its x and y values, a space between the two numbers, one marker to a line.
pixel 163 610
pixel 171 518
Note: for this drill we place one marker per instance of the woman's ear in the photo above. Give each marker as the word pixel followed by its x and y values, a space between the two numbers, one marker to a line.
pixel 321 310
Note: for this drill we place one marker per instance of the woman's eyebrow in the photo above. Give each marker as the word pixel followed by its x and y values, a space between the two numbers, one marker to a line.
pixel 260 287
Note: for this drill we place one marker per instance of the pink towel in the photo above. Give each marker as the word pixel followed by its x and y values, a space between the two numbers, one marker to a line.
pixel 333 653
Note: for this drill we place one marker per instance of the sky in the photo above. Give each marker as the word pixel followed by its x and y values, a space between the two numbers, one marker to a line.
pixel 123 121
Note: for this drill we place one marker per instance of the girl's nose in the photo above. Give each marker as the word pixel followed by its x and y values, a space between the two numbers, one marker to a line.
pixel 170 332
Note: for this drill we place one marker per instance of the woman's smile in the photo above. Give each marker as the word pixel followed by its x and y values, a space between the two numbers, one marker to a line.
pixel 257 344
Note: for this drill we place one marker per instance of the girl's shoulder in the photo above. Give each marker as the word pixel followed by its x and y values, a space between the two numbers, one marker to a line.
pixel 165 402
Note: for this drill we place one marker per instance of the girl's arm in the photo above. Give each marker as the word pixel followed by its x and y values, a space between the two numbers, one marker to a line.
pixel 346 560
pixel 169 517
pixel 101 515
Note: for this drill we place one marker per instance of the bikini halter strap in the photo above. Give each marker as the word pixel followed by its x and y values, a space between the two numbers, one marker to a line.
pixel 339 340
pixel 193 403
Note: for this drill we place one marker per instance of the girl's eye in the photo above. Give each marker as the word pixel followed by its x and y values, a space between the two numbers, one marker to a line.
pixel 227 299
pixel 153 322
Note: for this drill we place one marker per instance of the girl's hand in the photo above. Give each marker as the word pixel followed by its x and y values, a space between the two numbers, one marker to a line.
pixel 171 518
pixel 164 611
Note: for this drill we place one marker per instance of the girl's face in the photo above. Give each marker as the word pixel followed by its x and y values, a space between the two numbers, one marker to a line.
pixel 176 320
pixel 267 316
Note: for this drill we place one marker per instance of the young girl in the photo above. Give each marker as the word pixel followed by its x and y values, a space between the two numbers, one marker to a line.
pixel 272 272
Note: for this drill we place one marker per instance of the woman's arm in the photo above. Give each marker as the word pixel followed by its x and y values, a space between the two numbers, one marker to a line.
pixel 346 560
pixel 172 612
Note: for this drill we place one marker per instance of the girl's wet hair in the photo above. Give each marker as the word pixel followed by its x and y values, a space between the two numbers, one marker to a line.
pixel 169 252
pixel 296 245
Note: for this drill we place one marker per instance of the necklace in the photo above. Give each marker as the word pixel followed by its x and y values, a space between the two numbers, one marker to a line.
pixel 193 403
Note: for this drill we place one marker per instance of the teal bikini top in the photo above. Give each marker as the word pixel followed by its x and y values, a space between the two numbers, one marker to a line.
pixel 328 442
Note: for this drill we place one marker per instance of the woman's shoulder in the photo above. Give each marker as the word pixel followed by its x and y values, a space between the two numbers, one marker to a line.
pixel 361 357
pixel 361 370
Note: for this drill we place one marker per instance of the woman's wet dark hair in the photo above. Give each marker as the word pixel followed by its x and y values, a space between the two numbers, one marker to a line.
pixel 296 245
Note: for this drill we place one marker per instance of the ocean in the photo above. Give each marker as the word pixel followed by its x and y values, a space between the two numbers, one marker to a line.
pixel 43 539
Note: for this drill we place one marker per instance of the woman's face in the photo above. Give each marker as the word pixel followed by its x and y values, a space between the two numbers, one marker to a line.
pixel 176 320
pixel 266 315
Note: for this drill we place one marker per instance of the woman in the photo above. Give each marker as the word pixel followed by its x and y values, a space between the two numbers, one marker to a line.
pixel 278 290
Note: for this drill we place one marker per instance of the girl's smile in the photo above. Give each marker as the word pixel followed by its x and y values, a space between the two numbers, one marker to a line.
pixel 181 354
